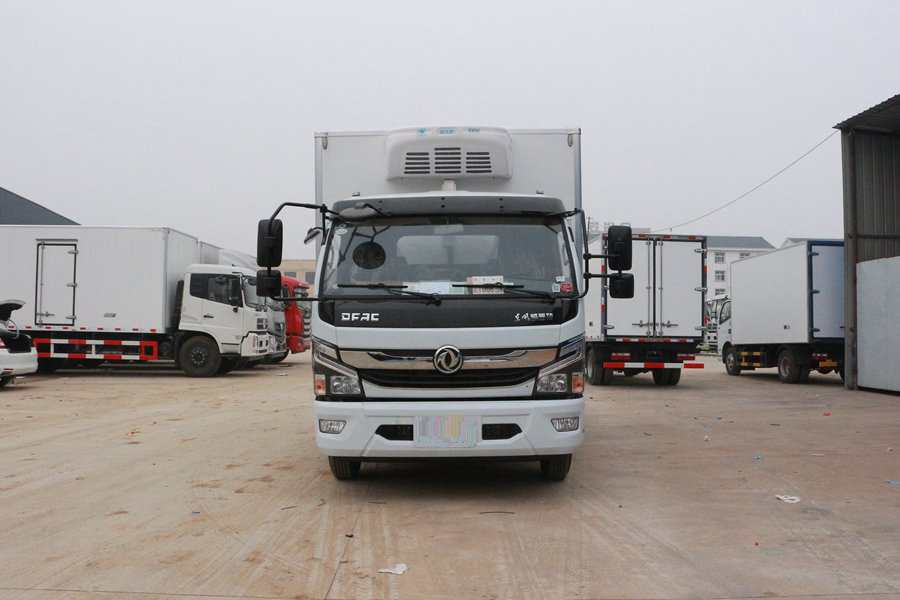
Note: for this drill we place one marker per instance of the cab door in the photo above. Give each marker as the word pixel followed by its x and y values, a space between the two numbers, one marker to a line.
pixel 220 305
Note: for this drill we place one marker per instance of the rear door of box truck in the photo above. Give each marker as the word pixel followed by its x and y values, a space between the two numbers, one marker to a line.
pixel 679 279
pixel 827 283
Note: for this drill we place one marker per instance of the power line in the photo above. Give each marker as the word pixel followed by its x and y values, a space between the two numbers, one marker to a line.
pixel 750 191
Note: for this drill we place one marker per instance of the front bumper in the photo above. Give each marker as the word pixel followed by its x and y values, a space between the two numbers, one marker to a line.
pixel 255 344
pixel 18 363
pixel 537 438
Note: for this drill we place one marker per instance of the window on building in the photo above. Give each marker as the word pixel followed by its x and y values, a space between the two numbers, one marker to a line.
pixel 290 274
pixel 720 275
pixel 745 254
pixel 720 258
pixel 720 291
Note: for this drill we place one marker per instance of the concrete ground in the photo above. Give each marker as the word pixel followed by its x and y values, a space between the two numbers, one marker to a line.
pixel 146 484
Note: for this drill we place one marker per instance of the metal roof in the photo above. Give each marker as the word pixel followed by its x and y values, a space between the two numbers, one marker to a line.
pixel 737 241
pixel 881 118
pixel 16 210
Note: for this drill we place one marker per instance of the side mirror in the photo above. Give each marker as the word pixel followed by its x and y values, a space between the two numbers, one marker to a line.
pixel 312 234
pixel 269 243
pixel 621 285
pixel 268 284
pixel 618 247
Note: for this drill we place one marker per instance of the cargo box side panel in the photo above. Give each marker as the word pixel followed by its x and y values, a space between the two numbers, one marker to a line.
pixel 770 299
pixel 679 280
pixel 182 251
pixel 828 284
pixel 120 273
pixel 631 317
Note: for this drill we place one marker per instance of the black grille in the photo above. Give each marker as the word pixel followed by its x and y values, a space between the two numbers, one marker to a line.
pixel 402 378
pixel 499 431
pixel 395 432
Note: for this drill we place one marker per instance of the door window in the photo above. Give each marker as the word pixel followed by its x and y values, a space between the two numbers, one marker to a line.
pixel 726 313
pixel 224 289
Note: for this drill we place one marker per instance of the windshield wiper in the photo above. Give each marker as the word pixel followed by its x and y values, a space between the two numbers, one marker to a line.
pixel 509 287
pixel 398 290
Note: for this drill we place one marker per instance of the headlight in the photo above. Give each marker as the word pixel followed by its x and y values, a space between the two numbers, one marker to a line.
pixel 341 384
pixel 550 384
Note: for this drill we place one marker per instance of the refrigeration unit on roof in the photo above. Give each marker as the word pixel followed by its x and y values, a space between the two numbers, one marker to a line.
pixel 449 153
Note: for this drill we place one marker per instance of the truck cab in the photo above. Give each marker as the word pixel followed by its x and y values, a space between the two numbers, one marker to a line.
pixel 222 319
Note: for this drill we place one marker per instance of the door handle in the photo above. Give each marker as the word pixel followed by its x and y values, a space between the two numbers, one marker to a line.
pixel 209 317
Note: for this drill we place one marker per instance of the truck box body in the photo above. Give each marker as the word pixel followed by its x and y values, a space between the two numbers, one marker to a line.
pixel 663 324
pixel 547 161
pixel 794 295
pixel 97 278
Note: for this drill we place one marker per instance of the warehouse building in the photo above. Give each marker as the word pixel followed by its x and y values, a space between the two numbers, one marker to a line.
pixel 870 144
pixel 16 210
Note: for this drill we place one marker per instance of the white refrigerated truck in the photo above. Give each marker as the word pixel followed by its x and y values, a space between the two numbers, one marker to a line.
pixel 786 310
pixel 448 323
pixel 100 294
pixel 659 330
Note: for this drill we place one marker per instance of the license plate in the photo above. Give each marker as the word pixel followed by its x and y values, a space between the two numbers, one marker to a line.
pixel 445 432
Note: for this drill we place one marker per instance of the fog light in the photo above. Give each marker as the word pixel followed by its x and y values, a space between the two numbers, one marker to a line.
pixel 341 384
pixel 577 382
pixel 565 424
pixel 553 383
pixel 334 426
pixel 319 385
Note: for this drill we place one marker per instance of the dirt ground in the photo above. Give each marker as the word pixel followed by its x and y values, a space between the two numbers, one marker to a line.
pixel 142 483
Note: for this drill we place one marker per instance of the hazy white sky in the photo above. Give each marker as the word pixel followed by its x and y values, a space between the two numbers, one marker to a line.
pixel 200 115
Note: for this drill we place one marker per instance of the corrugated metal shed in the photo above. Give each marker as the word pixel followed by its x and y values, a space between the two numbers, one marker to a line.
pixel 870 144
pixel 16 210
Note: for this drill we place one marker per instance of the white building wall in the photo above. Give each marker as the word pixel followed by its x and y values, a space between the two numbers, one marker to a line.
pixel 718 273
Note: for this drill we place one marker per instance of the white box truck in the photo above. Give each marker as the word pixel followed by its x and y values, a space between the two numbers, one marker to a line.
pixel 787 311
pixel 659 330
pixel 101 294
pixel 448 323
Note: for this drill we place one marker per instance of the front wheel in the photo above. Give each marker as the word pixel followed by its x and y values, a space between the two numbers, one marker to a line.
pixel 4 381
pixel 732 365
pixel 555 468
pixel 199 357
pixel 343 468
pixel 591 369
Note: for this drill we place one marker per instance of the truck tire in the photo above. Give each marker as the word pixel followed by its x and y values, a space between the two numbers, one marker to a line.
pixel 199 357
pixel 555 468
pixel 606 376
pixel 343 468
pixel 591 367
pixel 789 371
pixel 674 376
pixel 227 365
pixel 661 376
pixel 732 361
pixel 4 381
pixel 280 357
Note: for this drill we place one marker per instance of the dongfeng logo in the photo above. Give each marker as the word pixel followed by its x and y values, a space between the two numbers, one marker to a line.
pixel 448 360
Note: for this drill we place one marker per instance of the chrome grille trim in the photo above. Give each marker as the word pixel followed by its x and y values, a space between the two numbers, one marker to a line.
pixel 472 359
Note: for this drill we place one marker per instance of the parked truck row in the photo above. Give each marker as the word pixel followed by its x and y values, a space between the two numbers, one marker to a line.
pixel 102 294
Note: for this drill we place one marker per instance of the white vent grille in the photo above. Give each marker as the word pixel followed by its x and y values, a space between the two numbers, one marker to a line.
pixel 472 152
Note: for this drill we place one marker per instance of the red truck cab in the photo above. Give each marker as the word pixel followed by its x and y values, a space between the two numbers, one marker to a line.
pixel 297 322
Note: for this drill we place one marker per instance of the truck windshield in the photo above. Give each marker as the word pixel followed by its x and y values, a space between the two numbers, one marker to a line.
pixel 449 256
pixel 250 298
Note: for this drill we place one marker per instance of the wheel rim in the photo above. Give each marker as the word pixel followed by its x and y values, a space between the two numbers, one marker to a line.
pixel 199 357
pixel 784 366
pixel 729 360
pixel 589 365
